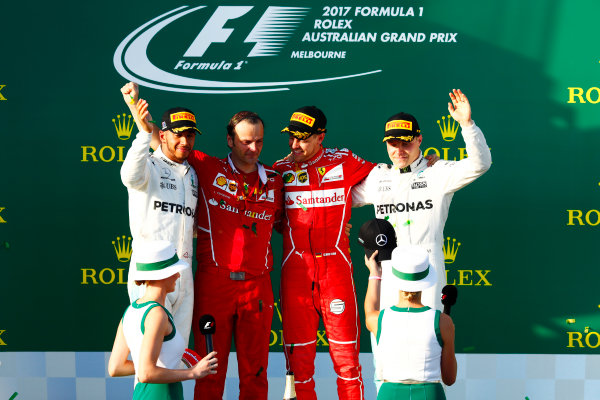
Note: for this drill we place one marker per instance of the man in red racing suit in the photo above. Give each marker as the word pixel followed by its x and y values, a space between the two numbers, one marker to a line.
pixel 239 202
pixel 316 277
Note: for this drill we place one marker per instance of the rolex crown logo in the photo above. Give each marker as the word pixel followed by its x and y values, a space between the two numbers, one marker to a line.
pixel 124 126
pixel 123 248
pixel 448 127
pixel 450 250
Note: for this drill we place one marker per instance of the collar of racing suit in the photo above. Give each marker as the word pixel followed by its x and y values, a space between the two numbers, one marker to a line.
pixel 183 167
pixel 312 160
pixel 262 174
pixel 414 166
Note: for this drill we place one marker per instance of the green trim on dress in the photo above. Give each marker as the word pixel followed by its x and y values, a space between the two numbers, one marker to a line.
pixel 379 325
pixel 152 305
pixel 438 332
pixel 409 309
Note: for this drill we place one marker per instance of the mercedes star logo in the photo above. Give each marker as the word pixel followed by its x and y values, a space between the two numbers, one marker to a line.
pixel 381 240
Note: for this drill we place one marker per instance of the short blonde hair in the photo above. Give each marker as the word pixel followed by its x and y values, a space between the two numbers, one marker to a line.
pixel 411 295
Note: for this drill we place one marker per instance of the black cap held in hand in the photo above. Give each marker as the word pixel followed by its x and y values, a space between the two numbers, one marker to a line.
pixel 378 234
pixel 207 324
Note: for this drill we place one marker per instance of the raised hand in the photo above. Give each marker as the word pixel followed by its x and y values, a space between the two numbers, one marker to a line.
pixel 372 264
pixel 460 109
pixel 142 116
pixel 130 93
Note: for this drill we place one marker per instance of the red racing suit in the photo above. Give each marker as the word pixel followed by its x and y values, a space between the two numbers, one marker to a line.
pixel 316 276
pixel 233 284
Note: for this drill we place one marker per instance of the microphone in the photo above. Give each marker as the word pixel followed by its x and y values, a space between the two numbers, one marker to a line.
pixel 207 328
pixel 449 295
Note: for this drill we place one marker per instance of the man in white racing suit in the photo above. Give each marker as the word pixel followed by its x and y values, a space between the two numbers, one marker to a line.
pixel 415 198
pixel 163 194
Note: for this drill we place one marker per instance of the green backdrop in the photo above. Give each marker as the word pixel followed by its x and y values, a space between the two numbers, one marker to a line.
pixel 526 268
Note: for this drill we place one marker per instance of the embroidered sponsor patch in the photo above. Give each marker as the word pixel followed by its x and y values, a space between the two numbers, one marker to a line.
pixel 232 186
pixel 303 118
pixel 229 185
pixel 183 116
pixel 270 196
pixel 398 124
pixel 295 178
pixel 316 198
pixel 221 180
pixel 337 306
pixel 289 177
pixel 334 174
pixel 165 173
pixel 302 177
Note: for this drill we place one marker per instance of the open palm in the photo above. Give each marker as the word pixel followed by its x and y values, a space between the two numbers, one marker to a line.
pixel 459 109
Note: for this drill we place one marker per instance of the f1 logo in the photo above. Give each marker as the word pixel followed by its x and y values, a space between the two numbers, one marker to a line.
pixel 268 33
pixel 2 97
pixel 213 31
pixel 207 325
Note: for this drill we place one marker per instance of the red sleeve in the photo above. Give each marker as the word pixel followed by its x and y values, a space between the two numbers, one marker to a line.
pixel 279 166
pixel 359 168
pixel 197 158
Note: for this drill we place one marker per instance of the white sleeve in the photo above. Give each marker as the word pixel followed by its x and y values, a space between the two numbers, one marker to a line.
pixel 181 303
pixel 135 171
pixel 459 174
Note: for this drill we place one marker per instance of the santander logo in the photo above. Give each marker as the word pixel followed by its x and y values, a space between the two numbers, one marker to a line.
pixel 316 198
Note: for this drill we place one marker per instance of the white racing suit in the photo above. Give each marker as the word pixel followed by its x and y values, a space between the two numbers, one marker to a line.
pixel 162 206
pixel 416 202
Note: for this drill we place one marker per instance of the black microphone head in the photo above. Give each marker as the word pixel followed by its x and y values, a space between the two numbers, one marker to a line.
pixel 207 324
pixel 449 295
